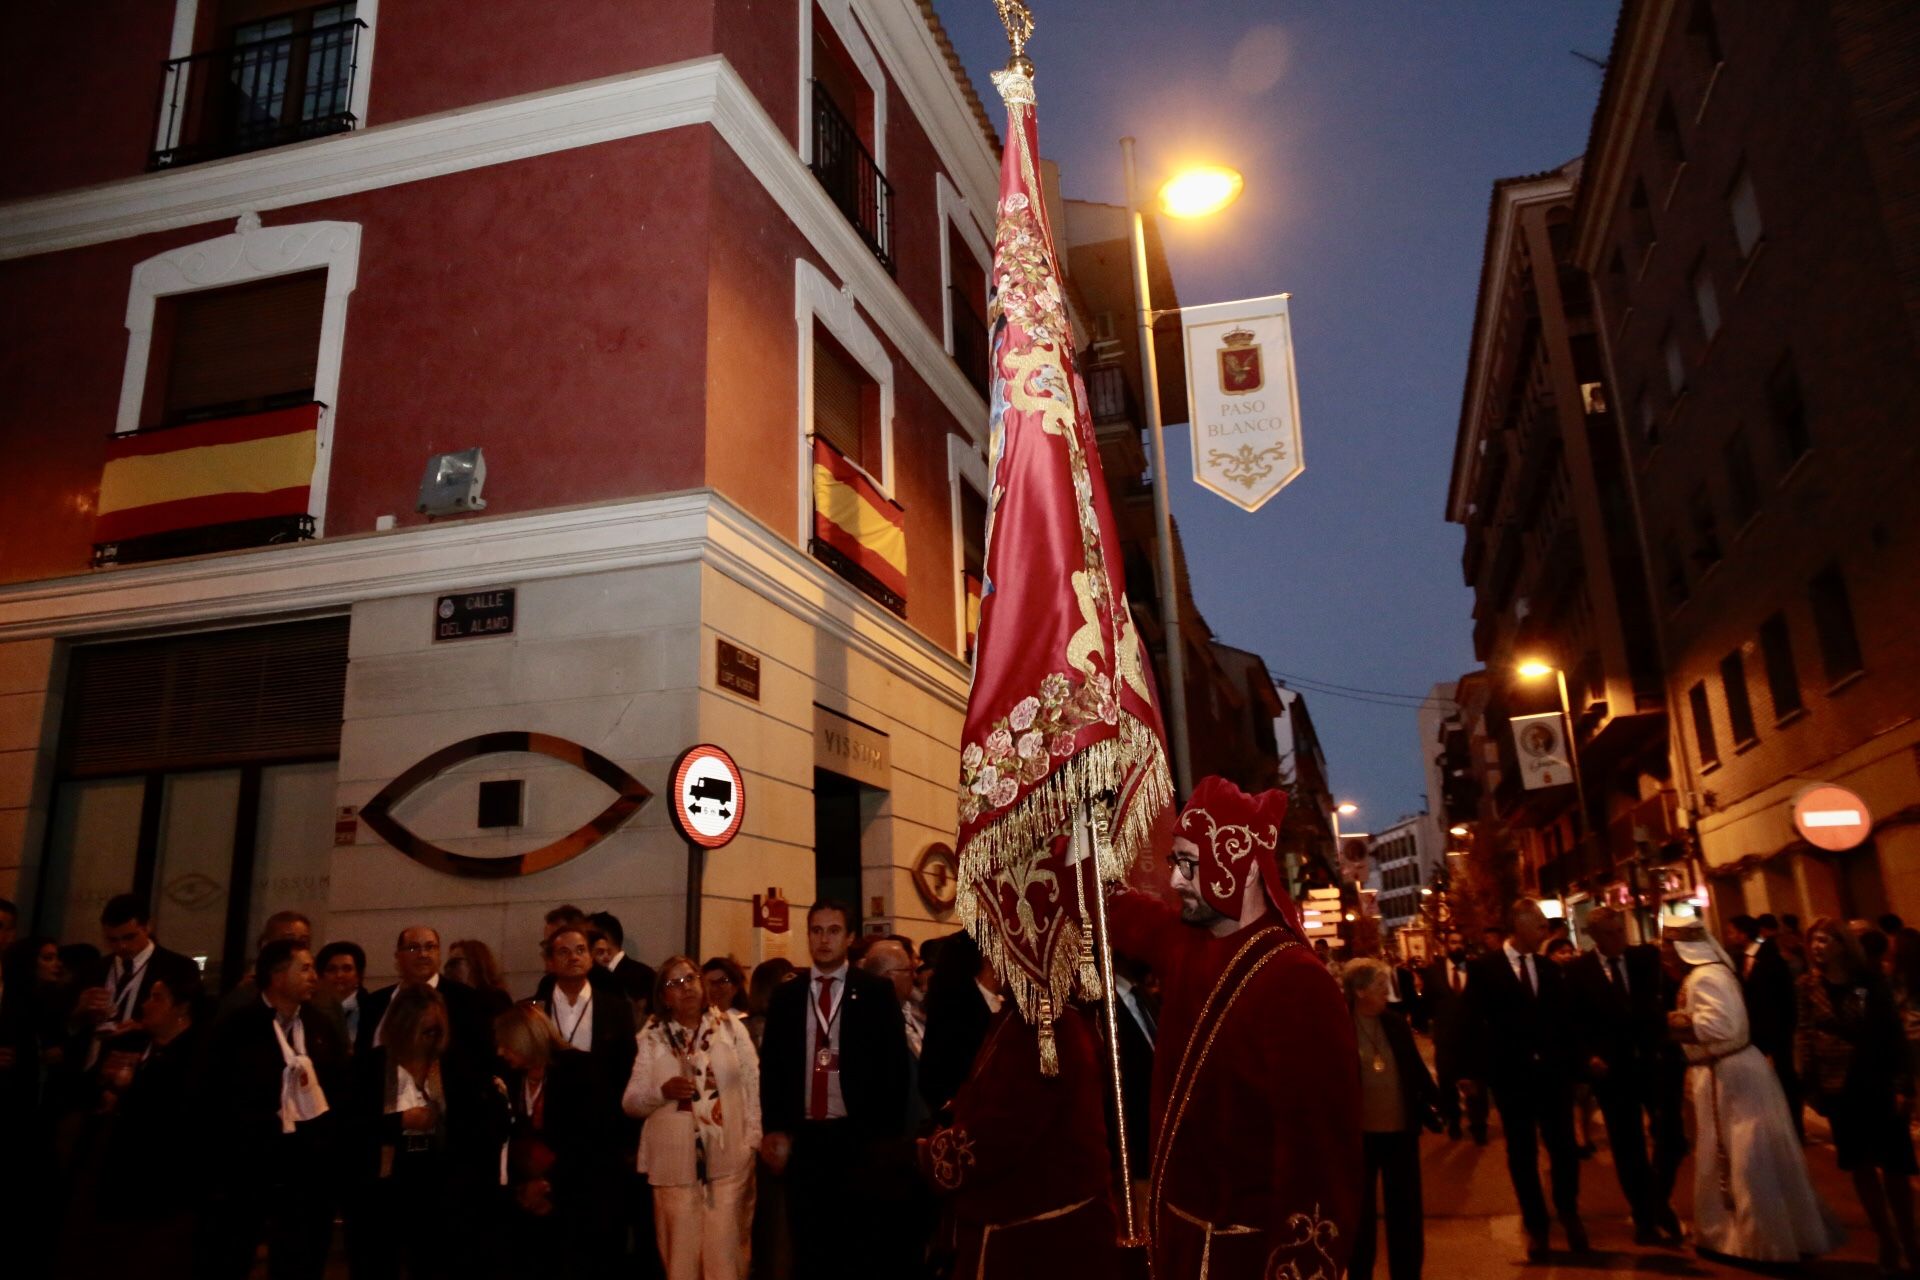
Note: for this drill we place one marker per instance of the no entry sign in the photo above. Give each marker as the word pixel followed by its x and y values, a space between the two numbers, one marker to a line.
pixel 709 796
pixel 1831 818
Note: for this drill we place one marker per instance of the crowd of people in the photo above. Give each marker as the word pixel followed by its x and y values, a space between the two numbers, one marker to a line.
pixel 616 1115
pixel 687 1119
pixel 1742 1036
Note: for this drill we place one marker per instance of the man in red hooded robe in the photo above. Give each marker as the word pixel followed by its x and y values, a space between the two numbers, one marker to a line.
pixel 1255 1169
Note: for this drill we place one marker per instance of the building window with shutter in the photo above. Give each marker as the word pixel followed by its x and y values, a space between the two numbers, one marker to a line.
pixel 858 530
pixel 1703 739
pixel 1783 680
pixel 247 348
pixel 1743 207
pixel 1787 409
pixel 1733 683
pixel 1671 153
pixel 1706 529
pixel 1833 623
pixel 1675 572
pixel 972 517
pixel 967 309
pixel 1743 485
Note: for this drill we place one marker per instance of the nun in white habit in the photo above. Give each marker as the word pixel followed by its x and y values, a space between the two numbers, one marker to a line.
pixel 1752 1198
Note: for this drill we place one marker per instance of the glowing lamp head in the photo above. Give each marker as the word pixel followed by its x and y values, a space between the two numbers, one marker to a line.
pixel 1348 809
pixel 1200 191
pixel 1459 829
pixel 1534 669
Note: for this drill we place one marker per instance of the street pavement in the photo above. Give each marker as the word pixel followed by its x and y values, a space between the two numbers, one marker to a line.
pixel 1473 1227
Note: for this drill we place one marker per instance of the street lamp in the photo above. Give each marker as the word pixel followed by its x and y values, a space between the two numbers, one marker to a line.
pixel 1193 194
pixel 1458 829
pixel 1534 669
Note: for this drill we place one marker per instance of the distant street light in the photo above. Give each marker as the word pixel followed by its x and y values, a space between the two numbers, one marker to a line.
pixel 1425 891
pixel 1458 829
pixel 1202 190
pixel 1193 194
pixel 1347 809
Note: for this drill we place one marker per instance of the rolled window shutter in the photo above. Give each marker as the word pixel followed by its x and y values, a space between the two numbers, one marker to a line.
pixel 837 384
pixel 244 346
pixel 251 694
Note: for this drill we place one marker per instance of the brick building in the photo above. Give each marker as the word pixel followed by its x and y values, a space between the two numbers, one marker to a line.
pixel 1749 214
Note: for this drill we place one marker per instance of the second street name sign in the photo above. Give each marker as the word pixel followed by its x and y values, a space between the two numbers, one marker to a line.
pixel 1242 399
pixel 472 614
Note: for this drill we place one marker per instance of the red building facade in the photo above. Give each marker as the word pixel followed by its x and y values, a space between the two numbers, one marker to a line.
pixel 642 261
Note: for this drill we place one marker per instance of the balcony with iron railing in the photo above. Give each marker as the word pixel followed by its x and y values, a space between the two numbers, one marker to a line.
pixel 847 170
pixel 258 93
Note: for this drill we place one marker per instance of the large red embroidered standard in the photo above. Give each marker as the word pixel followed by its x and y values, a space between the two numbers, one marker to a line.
pixel 1062 709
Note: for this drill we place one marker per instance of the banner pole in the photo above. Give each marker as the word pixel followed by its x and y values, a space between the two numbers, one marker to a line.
pixel 1097 820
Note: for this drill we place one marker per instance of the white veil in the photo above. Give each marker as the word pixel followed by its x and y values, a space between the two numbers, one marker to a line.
pixel 1697 945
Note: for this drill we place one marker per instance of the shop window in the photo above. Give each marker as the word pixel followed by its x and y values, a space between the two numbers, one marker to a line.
pixel 1733 683
pixel 245 348
pixel 1833 623
pixel 1703 739
pixel 1783 680
pixel 1743 484
pixel 1787 410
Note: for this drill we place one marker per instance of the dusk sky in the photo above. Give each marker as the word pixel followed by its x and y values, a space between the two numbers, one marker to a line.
pixel 1370 134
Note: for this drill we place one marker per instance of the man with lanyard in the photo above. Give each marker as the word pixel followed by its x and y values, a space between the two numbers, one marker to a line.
pixel 833 1093
pixel 603 1028
pixel 136 960
pixel 1256 1161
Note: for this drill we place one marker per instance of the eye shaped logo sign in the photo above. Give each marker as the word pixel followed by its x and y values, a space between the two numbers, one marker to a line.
pixel 629 795
pixel 710 796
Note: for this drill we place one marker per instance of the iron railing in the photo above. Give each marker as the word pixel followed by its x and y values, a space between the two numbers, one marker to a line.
pixel 257 94
pixel 969 337
pixel 846 169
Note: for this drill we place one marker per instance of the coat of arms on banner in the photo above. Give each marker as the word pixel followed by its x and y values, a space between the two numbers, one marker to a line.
pixel 1240 372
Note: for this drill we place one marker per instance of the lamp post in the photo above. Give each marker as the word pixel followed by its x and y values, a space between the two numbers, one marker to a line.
pixel 1190 195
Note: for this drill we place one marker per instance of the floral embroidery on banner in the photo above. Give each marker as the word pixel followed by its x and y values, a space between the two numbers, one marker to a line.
pixel 1309 1254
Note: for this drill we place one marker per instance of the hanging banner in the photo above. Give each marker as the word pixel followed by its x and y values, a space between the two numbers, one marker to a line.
pixel 1242 399
pixel 1541 743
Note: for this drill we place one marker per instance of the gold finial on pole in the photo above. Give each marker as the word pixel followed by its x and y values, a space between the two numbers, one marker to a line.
pixel 1018 20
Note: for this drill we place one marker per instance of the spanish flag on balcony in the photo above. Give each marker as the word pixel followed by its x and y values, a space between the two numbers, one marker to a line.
pixel 208 473
pixel 856 528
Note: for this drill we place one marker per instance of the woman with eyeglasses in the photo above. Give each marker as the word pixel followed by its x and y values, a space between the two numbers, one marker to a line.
pixel 696 1082
pixel 426 1140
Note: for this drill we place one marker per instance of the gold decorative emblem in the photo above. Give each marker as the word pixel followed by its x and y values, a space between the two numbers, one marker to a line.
pixel 1247 465
pixel 1232 845
pixel 949 1156
pixel 1240 370
pixel 1309 1254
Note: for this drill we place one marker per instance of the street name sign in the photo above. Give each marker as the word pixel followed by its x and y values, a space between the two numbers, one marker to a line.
pixel 1242 399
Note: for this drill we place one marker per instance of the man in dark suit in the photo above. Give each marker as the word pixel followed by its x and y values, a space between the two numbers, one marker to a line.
pixel 135 960
pixel 592 1016
pixel 1452 1044
pixel 1519 1036
pixel 416 960
pixel 610 953
pixel 1620 998
pixel 274 1076
pixel 834 1071
pixel 1772 1008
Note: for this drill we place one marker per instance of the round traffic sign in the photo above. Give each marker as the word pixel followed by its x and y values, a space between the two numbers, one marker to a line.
pixel 709 796
pixel 1831 818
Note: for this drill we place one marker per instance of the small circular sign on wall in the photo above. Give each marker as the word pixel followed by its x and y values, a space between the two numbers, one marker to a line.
pixel 1831 818
pixel 709 796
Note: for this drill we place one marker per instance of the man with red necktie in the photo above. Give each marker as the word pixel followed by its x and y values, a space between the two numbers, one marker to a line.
pixel 834 1075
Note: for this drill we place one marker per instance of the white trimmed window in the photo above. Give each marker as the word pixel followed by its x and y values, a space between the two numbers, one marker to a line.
pixel 965 261
pixel 277 274
pixel 824 312
pixel 967 502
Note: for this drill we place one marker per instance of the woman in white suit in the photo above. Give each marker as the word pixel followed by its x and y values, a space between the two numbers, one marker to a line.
pixel 1752 1198
pixel 696 1082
